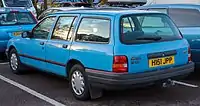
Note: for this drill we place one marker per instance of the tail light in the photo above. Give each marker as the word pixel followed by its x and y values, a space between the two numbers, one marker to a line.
pixel 120 64
pixel 189 55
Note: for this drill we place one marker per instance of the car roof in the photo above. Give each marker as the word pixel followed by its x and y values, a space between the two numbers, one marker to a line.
pixel 67 8
pixel 106 11
pixel 192 6
pixel 9 9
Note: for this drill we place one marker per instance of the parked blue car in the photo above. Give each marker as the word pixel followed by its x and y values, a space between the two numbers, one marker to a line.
pixel 13 21
pixel 186 17
pixel 103 49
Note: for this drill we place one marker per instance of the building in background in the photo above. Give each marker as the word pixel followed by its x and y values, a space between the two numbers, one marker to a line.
pixel 127 3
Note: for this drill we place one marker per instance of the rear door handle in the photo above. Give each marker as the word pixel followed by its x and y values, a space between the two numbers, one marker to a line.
pixel 65 46
pixel 41 43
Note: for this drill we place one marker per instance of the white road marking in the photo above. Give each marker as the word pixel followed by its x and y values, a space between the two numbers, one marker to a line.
pixel 32 92
pixel 5 63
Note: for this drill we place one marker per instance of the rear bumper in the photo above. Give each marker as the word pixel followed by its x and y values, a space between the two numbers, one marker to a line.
pixel 110 80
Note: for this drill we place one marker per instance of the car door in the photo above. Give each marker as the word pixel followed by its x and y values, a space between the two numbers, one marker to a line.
pixel 33 49
pixel 58 47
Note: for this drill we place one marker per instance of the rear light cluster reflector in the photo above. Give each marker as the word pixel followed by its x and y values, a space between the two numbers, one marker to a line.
pixel 120 64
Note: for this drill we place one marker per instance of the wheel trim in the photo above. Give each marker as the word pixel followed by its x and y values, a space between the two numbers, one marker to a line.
pixel 14 61
pixel 78 83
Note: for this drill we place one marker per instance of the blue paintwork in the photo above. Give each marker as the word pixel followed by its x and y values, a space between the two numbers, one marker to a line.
pixel 94 55
pixel 6 32
pixel 9 9
pixel 33 48
pixel 192 34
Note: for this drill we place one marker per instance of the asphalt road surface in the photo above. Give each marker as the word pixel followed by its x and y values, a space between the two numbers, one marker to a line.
pixel 57 89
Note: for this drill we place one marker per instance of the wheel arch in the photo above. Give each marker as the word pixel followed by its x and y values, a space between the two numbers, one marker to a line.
pixel 10 48
pixel 71 63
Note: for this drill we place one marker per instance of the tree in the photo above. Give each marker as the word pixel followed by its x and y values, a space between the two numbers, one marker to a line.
pixel 91 2
pixel 35 5
pixel 102 2
pixel 45 4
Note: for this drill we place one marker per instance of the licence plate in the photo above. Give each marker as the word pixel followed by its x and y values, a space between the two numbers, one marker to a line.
pixel 17 33
pixel 161 61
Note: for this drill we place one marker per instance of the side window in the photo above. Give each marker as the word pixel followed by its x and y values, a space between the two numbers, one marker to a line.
pixel 41 31
pixel 185 17
pixel 128 25
pixel 72 30
pixel 62 28
pixel 94 30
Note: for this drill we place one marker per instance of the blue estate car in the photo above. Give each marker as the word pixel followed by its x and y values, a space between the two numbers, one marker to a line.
pixel 13 21
pixel 186 17
pixel 103 49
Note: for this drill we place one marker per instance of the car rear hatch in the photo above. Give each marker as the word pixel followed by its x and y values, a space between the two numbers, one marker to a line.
pixel 148 57
pixel 13 22
pixel 152 44
pixel 8 32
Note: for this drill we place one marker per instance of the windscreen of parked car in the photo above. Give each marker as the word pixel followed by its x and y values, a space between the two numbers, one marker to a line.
pixel 16 18
pixel 146 28
pixel 185 17
pixel 18 3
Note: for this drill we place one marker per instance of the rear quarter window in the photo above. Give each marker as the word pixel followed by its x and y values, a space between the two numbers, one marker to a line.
pixel 96 30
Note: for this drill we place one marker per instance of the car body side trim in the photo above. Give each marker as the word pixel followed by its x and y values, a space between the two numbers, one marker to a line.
pixel 43 60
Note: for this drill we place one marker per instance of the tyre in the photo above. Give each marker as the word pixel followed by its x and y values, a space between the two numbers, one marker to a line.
pixel 78 83
pixel 14 61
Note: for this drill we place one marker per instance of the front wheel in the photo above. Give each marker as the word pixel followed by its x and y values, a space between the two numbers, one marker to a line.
pixel 78 83
pixel 15 64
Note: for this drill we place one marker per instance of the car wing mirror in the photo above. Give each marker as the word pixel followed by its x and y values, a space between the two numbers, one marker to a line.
pixel 27 34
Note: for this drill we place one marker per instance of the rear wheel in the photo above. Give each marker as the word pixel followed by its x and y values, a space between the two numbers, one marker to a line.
pixel 14 61
pixel 78 83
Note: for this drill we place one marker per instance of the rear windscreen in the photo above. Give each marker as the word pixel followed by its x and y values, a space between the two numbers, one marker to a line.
pixel 18 3
pixel 16 18
pixel 146 28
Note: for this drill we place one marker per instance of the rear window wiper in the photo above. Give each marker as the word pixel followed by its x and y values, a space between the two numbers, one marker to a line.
pixel 155 38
